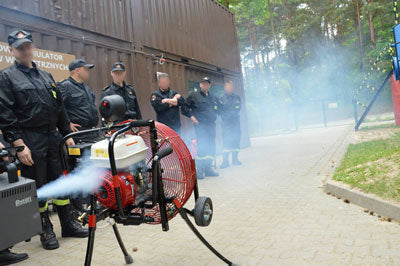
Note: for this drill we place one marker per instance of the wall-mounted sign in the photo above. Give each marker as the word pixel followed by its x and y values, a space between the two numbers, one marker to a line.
pixel 53 62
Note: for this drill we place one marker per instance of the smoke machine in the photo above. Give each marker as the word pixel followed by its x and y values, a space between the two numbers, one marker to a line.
pixel 149 176
pixel 19 208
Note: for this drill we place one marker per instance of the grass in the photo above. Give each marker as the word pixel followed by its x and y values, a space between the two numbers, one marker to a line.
pixel 379 119
pixel 373 167
pixel 381 126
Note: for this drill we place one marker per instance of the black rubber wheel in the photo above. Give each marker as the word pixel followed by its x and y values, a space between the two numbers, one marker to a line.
pixel 203 211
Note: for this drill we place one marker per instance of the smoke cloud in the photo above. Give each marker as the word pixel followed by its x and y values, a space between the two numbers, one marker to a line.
pixel 83 180
pixel 286 96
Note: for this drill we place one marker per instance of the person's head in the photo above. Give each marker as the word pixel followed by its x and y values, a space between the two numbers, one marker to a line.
pixel 205 84
pixel 229 87
pixel 118 72
pixel 163 81
pixel 21 46
pixel 80 70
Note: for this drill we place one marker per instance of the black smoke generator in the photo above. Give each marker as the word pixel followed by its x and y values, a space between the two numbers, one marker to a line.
pixel 19 208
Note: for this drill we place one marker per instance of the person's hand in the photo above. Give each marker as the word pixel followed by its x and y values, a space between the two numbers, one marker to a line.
pixel 171 102
pixel 74 127
pixel 24 156
pixel 177 96
pixel 70 142
pixel 194 120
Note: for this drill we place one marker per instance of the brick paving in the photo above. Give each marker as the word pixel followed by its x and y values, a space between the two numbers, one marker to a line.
pixel 270 211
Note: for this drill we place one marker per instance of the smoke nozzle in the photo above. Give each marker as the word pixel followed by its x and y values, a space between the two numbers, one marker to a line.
pixel 112 108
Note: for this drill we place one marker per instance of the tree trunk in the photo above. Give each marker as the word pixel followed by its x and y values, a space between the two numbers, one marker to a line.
pixel 326 31
pixel 253 43
pixel 263 58
pixel 360 40
pixel 226 3
pixel 339 31
pixel 372 28
pixel 271 13
pixel 333 25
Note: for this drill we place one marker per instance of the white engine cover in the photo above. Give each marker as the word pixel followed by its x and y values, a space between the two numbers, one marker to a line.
pixel 128 150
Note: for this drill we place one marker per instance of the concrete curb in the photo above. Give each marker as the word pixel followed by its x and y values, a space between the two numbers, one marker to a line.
pixel 370 202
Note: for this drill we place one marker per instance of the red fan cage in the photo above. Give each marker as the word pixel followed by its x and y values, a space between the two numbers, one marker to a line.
pixel 179 174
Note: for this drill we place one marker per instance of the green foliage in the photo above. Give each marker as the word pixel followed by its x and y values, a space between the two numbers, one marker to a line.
pixel 292 50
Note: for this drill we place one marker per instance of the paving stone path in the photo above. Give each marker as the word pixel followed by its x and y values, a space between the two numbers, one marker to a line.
pixel 270 211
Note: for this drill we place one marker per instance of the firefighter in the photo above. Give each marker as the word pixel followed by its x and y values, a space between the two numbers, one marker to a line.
pixel 32 115
pixel 202 108
pixel 166 103
pixel 79 100
pixel 230 115
pixel 125 90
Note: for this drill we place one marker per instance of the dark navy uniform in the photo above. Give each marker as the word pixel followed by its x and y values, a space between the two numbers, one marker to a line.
pixel 205 108
pixel 79 103
pixel 230 115
pixel 166 114
pixel 127 92
pixel 32 109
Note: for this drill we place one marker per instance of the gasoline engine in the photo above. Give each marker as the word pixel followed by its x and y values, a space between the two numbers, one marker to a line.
pixel 132 176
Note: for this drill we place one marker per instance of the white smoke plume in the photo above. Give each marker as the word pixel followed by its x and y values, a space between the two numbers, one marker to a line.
pixel 84 180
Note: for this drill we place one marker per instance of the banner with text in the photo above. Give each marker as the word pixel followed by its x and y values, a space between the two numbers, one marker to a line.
pixel 53 62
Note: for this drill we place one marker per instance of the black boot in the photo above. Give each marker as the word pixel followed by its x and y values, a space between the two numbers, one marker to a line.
pixel 208 171
pixel 235 159
pixel 225 160
pixel 7 257
pixel 48 237
pixel 70 227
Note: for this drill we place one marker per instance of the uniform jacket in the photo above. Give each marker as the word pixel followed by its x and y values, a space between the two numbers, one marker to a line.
pixel 30 99
pixel 204 107
pixel 127 92
pixel 168 115
pixel 230 107
pixel 79 103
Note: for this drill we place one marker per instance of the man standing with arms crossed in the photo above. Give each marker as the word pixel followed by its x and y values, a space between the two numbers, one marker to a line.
pixel 166 103
pixel 32 115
